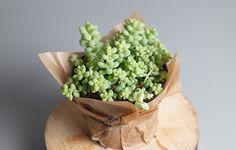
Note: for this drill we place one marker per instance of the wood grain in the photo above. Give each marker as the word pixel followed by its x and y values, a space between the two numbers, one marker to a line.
pixel 177 128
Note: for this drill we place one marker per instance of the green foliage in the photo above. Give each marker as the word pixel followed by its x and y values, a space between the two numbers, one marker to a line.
pixel 130 66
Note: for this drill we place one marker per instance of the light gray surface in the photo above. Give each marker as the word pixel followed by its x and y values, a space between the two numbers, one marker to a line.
pixel 203 32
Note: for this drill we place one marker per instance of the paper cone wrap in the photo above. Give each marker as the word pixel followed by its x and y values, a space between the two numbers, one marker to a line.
pixel 118 124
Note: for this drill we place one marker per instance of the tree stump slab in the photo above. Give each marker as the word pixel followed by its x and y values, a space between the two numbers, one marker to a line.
pixel 177 128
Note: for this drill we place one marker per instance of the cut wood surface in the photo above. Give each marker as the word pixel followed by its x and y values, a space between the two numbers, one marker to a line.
pixel 177 128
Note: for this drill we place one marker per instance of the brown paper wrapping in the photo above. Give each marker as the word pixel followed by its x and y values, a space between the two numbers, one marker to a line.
pixel 118 125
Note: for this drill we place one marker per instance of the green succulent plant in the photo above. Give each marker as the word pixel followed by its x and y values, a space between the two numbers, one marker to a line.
pixel 130 66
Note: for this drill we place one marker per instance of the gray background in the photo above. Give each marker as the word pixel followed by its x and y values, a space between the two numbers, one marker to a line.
pixel 203 33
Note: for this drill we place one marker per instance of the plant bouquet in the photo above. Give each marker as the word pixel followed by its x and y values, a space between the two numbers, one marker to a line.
pixel 118 81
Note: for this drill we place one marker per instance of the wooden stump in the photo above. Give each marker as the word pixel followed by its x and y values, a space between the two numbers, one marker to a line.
pixel 176 129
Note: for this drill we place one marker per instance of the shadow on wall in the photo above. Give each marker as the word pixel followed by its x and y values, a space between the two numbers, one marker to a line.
pixel 27 98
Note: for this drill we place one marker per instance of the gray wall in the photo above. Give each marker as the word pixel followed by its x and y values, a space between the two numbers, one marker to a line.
pixel 203 32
